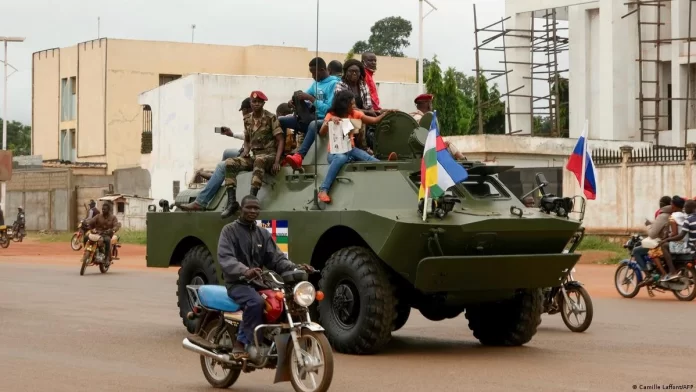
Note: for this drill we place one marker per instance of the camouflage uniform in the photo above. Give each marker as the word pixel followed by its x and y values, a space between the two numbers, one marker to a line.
pixel 260 134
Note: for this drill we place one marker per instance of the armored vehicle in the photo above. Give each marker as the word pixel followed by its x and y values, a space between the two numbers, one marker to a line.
pixel 480 251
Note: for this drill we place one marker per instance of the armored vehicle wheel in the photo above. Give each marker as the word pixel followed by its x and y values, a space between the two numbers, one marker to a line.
pixel 402 313
pixel 511 322
pixel 197 268
pixel 359 308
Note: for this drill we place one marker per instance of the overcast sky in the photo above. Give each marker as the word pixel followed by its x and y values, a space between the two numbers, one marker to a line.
pixel 49 24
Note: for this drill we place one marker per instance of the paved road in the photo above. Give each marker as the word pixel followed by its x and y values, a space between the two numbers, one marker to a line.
pixel 121 332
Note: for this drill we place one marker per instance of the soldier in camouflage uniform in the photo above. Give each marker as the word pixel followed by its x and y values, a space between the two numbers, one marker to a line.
pixel 264 138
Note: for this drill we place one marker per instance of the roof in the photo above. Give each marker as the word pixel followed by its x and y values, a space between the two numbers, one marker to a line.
pixel 120 196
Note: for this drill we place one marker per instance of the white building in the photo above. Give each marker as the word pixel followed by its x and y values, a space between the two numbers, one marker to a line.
pixel 604 77
pixel 129 210
pixel 184 114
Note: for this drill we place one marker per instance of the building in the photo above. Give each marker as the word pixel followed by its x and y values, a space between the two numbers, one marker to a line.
pixel 85 98
pixel 181 117
pixel 624 93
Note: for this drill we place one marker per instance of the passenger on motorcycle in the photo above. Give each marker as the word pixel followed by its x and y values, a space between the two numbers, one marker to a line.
pixel 243 250
pixel 681 237
pixel 20 220
pixel 105 224
pixel 655 231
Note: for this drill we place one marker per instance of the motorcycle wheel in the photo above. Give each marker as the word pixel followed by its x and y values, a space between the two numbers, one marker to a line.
pixel 76 242
pixel 316 345
pixel 226 377
pixel 85 261
pixel 626 276
pixel 689 293
pixel 567 312
pixel 5 242
pixel 103 268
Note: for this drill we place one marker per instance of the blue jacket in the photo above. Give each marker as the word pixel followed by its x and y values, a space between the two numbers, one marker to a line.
pixel 325 97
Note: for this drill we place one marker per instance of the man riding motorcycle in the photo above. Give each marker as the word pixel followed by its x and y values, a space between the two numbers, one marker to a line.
pixel 105 224
pixel 91 213
pixel 20 220
pixel 243 250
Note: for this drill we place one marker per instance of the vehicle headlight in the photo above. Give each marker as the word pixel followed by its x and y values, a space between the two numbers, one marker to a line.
pixel 304 294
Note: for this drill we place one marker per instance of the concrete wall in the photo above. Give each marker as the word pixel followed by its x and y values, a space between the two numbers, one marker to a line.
pixel 111 73
pixel 186 111
pixel 135 214
pixel 526 151
pixel 45 197
pixel 134 181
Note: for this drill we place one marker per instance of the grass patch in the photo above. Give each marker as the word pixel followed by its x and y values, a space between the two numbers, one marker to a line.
pixel 126 236
pixel 596 243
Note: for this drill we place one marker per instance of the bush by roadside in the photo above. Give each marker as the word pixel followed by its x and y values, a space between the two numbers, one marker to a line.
pixel 126 236
pixel 596 244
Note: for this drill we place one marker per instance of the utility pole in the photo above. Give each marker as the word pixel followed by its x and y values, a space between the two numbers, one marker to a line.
pixel 98 27
pixel 421 17
pixel 193 29
pixel 4 112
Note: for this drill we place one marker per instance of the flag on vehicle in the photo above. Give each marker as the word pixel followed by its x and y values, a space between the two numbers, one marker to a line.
pixel 580 163
pixel 439 170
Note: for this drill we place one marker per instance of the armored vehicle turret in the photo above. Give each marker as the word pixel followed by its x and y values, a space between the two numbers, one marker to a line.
pixel 480 252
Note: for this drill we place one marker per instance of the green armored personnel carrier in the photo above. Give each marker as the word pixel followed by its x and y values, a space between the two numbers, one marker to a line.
pixel 481 252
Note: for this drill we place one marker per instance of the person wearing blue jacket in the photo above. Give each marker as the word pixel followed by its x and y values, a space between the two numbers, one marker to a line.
pixel 320 95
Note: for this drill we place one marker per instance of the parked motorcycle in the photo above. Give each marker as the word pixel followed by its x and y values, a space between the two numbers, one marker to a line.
pixel 4 238
pixel 76 240
pixel 17 233
pixel 94 253
pixel 570 298
pixel 629 277
pixel 299 350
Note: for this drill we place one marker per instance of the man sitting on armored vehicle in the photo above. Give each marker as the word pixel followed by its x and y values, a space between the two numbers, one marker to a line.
pixel 237 262
pixel 424 104
pixel 262 136
pixel 344 108
pixel 369 60
pixel 321 98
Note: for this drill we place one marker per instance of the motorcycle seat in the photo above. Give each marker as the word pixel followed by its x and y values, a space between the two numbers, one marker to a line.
pixel 215 297
pixel 682 257
pixel 3 227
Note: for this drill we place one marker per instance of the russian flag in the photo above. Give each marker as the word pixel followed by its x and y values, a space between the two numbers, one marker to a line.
pixel 586 175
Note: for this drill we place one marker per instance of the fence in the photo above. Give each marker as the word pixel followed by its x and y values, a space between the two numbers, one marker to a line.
pixel 653 154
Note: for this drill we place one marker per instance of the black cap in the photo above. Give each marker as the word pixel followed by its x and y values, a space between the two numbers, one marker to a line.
pixel 678 202
pixel 246 104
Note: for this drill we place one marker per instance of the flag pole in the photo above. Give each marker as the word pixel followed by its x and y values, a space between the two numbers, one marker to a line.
pixel 425 203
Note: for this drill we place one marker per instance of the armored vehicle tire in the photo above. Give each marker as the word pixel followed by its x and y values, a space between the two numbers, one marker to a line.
pixel 358 310
pixel 511 322
pixel 197 267
pixel 402 313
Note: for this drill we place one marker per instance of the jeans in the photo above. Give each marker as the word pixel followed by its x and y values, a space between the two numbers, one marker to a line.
pixel 252 304
pixel 212 186
pixel 231 153
pixel 337 161
pixel 639 253
pixel 107 246
pixel 310 132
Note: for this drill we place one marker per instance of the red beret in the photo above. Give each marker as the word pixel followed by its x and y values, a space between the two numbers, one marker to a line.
pixel 259 95
pixel 423 97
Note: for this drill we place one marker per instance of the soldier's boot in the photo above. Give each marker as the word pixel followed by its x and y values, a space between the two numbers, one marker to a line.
pixel 232 206
pixel 254 191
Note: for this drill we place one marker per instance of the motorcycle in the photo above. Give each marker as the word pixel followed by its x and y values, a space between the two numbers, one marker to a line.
pixel 570 298
pixel 4 238
pixel 17 233
pixel 94 253
pixel 630 273
pixel 299 350
pixel 76 240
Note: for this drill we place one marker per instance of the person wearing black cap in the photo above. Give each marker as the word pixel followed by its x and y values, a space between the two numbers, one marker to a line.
pixel 232 152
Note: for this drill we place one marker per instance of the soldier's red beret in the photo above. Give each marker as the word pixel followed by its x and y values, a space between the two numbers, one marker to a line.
pixel 259 95
pixel 423 97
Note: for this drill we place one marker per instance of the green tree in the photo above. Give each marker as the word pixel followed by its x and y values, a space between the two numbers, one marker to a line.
pixel 349 55
pixel 18 138
pixel 563 99
pixel 493 110
pixel 389 36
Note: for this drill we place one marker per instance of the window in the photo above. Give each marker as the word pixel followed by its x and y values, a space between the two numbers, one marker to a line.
pixel 73 145
pixel 146 135
pixel 68 99
pixel 120 207
pixel 68 151
pixel 484 188
pixel 164 79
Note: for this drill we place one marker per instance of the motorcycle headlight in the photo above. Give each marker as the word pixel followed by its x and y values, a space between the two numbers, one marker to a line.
pixel 304 294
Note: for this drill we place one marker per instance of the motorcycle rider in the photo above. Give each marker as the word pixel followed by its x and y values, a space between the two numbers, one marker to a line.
pixel 669 245
pixel 655 231
pixel 20 221
pixel 93 210
pixel 105 225
pixel 243 250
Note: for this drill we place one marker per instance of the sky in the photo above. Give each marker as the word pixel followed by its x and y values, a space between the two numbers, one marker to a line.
pixel 448 32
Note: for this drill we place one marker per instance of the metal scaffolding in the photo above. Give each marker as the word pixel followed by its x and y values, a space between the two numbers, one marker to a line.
pixel 654 127
pixel 544 40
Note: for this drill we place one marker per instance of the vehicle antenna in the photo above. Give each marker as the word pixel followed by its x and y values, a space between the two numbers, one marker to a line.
pixel 316 205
